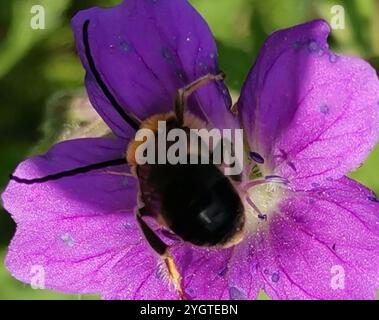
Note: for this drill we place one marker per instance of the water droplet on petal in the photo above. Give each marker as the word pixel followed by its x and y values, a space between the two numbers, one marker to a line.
pixel 189 38
pixel 275 277
pixel 124 46
pixel 324 109
pixel 313 46
pixel 333 58
pixel 180 74
pixel 190 293
pixel 127 225
pixel 236 293
pixel 297 45
pixel 166 53
pixel 67 239
pixel 202 65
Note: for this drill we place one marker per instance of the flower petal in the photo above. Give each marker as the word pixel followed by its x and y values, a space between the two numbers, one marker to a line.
pixel 75 227
pixel 143 73
pixel 210 274
pixel 218 274
pixel 139 275
pixel 322 244
pixel 76 254
pixel 95 189
pixel 322 120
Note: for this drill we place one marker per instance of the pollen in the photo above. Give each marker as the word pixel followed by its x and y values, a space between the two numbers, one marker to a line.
pixel 261 199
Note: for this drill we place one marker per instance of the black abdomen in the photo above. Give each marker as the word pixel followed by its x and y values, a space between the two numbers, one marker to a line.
pixel 198 202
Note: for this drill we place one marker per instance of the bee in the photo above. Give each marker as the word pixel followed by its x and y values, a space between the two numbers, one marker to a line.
pixel 197 202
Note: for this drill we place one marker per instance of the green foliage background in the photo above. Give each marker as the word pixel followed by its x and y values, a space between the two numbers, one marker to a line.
pixel 35 65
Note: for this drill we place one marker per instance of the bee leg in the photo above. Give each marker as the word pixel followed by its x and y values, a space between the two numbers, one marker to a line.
pixel 234 109
pixel 183 93
pixel 162 249
pixel 116 173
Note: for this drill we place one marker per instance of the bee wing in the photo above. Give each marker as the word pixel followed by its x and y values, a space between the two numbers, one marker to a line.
pixel 148 197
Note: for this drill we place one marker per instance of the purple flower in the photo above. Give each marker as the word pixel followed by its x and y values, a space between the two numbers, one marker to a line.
pixel 310 117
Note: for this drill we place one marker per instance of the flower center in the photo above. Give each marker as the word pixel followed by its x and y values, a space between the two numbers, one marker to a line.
pixel 261 197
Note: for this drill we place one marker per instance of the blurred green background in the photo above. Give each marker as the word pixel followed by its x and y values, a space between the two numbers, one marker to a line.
pixel 41 79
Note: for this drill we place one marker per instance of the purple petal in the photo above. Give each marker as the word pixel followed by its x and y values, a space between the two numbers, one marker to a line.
pixel 211 274
pixel 76 253
pixel 322 120
pixel 322 244
pixel 140 275
pixel 96 189
pixel 217 274
pixel 75 227
pixel 144 52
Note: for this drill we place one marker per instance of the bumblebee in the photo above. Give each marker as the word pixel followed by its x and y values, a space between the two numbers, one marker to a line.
pixel 197 202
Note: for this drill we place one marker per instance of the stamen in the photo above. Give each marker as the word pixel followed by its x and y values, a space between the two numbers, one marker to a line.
pixel 261 195
pixel 277 179
pixel 253 183
pixel 252 204
pixel 267 179
pixel 257 157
